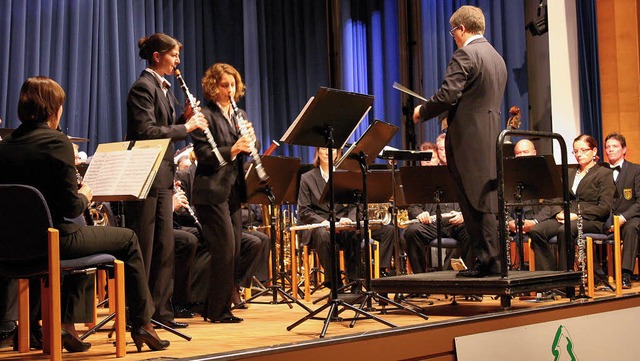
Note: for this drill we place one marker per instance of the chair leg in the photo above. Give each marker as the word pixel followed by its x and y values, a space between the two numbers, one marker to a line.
pixel 307 273
pixel 54 326
pixel 23 316
pixel 294 265
pixel 532 258
pixel 618 254
pixel 120 323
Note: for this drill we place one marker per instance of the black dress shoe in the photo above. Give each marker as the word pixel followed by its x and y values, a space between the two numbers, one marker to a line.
pixel 229 319
pixel 183 312
pixel 7 329
pixel 73 344
pixel 477 271
pixel 35 337
pixel 173 323
pixel 626 281
pixel 140 337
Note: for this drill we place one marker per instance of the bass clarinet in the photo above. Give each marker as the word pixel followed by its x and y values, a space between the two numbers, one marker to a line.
pixel 244 131
pixel 192 101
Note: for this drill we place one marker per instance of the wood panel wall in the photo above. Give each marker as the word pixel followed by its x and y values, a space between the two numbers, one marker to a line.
pixel 619 51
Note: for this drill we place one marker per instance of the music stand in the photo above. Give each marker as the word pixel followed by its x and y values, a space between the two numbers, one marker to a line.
pixel 430 185
pixel 281 171
pixel 529 178
pixel 328 120
pixel 394 155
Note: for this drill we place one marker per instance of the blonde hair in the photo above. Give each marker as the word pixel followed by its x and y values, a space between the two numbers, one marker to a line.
pixel 470 17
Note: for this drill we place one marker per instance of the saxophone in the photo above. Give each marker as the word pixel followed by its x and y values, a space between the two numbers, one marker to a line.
pixel 244 131
pixel 192 102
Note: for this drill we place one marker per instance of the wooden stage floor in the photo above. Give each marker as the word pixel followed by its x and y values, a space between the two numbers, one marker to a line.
pixel 264 330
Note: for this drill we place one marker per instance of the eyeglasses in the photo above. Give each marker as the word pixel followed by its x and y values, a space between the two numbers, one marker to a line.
pixel 581 151
pixel 453 29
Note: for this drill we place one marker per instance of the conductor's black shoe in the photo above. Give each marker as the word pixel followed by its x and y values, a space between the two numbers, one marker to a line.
pixel 173 323
pixel 626 281
pixel 479 270
pixel 35 338
pixel 7 329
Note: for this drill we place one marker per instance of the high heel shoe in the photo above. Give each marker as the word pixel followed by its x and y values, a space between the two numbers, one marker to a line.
pixel 141 336
pixel 73 344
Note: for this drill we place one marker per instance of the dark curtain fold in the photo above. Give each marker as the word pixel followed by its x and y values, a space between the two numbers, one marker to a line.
pixel 589 69
pixel 286 61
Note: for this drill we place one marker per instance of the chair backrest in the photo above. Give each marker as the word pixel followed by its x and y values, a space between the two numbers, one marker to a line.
pixel 24 219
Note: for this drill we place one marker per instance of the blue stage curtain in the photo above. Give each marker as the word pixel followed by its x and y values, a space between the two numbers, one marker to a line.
pixel 370 59
pixel 505 29
pixel 589 70
pixel 286 62
pixel 90 48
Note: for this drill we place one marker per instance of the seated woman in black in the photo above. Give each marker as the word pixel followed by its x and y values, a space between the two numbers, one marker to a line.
pixel 39 155
pixel 592 188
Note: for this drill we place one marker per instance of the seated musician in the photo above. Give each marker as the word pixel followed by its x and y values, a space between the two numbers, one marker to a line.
pixel 37 154
pixel 312 211
pixel 251 248
pixel 627 179
pixel 418 235
pixel 533 214
pixel 593 189
pixel 430 147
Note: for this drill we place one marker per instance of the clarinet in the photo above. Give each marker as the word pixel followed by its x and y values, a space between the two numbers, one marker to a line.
pixel 86 214
pixel 192 101
pixel 191 212
pixel 242 124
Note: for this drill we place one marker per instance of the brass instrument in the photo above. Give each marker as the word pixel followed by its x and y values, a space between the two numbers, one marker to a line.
pixel 380 212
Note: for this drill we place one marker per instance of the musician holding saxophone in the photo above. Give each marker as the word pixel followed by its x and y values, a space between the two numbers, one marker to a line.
pixel 219 188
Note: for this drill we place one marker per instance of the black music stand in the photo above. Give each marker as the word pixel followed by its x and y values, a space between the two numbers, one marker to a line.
pixel 328 120
pixel 430 185
pixel 281 171
pixel 529 178
pixel 394 156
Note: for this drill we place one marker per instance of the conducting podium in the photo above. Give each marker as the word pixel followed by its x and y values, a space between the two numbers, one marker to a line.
pixel 328 120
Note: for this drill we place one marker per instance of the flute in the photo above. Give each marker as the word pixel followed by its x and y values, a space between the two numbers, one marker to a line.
pixel 432 219
pixel 207 133
pixel 338 226
pixel 242 124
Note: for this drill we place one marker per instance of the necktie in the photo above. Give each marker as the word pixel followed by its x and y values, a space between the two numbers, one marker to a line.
pixel 616 168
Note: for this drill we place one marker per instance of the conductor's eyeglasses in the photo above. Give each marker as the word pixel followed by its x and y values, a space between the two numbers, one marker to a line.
pixel 453 29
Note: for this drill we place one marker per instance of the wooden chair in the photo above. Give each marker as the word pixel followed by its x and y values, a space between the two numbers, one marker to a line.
pixel 447 243
pixel 614 247
pixel 31 249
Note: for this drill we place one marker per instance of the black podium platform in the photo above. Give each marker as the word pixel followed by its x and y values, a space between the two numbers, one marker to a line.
pixel 446 282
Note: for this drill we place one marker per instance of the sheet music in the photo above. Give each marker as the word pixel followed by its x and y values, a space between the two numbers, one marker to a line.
pixel 293 125
pixel 122 172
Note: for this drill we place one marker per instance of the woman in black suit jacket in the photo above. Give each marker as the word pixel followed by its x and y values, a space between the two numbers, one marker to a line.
pixel 593 189
pixel 151 115
pixel 219 189
pixel 38 155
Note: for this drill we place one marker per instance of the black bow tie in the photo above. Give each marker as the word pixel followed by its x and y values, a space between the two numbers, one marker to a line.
pixel 616 168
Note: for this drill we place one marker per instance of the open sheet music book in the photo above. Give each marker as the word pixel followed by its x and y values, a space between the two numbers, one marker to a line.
pixel 119 173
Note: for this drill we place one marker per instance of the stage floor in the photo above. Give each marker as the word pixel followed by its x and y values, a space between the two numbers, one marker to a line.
pixel 264 329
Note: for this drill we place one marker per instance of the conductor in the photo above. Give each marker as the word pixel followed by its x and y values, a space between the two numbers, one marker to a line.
pixel 472 91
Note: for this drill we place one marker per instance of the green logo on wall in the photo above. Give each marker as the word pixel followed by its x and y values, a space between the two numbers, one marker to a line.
pixel 562 348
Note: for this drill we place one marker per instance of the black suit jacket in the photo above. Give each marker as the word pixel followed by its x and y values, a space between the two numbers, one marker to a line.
pixel 471 92
pixel 310 209
pixel 150 115
pixel 628 186
pixel 594 194
pixel 43 158
pixel 213 184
